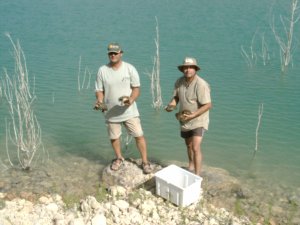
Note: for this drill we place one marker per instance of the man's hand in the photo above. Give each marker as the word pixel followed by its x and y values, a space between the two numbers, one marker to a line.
pixel 125 100
pixel 170 108
pixel 100 106
pixel 184 116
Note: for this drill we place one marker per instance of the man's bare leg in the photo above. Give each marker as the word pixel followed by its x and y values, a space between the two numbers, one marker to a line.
pixel 142 147
pixel 116 144
pixel 196 149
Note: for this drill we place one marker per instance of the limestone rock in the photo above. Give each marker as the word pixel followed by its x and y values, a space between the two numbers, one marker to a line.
pixel 130 175
pixel 218 182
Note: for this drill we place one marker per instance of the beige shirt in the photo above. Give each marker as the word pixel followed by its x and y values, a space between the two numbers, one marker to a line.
pixel 115 84
pixel 191 97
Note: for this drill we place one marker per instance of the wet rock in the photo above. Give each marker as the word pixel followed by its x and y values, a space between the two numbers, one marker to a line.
pixel 130 175
pixel 218 182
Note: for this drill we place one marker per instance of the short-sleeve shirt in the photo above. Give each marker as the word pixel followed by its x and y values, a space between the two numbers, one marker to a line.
pixel 115 84
pixel 191 97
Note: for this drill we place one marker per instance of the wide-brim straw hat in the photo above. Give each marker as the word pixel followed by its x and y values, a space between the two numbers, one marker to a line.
pixel 189 61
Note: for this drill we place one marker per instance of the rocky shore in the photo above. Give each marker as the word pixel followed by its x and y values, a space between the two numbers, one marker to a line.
pixel 82 192
pixel 118 207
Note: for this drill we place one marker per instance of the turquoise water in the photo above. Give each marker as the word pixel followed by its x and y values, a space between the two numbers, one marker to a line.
pixel 56 34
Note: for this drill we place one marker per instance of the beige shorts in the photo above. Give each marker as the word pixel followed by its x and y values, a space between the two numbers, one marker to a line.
pixel 133 126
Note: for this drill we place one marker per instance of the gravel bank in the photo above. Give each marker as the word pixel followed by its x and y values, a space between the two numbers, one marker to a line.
pixel 116 207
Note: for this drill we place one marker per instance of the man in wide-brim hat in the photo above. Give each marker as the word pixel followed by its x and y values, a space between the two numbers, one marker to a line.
pixel 188 61
pixel 193 95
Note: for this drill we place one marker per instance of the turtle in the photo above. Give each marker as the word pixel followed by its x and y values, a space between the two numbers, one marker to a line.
pixel 180 115
pixel 124 100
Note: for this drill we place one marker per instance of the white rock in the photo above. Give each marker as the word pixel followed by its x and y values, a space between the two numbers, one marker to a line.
pixel 122 205
pixel 2 195
pixel 95 205
pixel 118 191
pixel 57 198
pixel 147 207
pixel 99 219
pixel 155 215
pixel 52 207
pixel 77 221
pixel 107 206
pixel 134 216
pixel 45 200
pixel 137 202
pixel 59 216
pixel 28 207
pixel 59 222
pixel 115 211
pixel 5 222
pixel 213 221
pixel 84 206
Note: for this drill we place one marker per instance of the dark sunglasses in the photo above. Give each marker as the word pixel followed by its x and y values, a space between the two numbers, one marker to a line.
pixel 113 53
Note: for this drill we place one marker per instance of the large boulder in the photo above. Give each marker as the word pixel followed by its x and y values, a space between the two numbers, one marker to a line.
pixel 130 175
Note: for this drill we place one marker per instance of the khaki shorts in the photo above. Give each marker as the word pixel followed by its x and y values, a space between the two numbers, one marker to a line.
pixel 133 126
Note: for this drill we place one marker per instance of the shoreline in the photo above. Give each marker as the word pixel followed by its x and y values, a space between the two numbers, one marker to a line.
pixel 79 178
pixel 117 207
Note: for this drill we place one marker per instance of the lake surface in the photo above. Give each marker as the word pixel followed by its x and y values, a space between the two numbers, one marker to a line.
pixel 61 36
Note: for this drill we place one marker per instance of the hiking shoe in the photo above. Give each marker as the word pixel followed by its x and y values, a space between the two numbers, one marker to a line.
pixel 146 168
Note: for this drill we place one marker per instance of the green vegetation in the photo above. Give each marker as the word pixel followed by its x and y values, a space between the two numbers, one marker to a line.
pixel 238 210
pixel 101 194
pixel 71 200
pixel 2 204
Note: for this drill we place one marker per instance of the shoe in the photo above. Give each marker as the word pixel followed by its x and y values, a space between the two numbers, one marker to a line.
pixel 116 164
pixel 146 168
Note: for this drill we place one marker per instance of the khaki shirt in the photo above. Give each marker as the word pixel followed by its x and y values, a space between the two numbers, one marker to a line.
pixel 191 97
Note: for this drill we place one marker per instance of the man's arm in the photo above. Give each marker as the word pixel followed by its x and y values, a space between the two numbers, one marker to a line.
pixel 99 101
pixel 99 96
pixel 135 93
pixel 172 104
pixel 204 108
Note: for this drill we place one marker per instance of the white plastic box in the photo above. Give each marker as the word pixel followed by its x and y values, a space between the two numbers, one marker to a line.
pixel 177 185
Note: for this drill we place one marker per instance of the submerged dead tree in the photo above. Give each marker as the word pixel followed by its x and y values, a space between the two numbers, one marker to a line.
pixel 23 130
pixel 260 113
pixel 250 55
pixel 85 83
pixel 0 92
pixel 157 102
pixel 285 41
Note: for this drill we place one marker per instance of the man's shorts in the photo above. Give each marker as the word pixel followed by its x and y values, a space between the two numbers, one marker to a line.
pixel 195 132
pixel 133 126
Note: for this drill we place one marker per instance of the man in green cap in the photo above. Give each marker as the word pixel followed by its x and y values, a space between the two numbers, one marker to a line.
pixel 193 95
pixel 117 88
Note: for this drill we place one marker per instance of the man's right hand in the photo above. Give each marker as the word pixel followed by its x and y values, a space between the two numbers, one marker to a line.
pixel 100 106
pixel 170 108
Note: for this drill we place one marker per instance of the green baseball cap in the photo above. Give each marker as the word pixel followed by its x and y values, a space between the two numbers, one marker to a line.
pixel 114 47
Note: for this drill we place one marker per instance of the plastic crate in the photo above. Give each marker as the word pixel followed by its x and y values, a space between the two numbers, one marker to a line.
pixel 177 185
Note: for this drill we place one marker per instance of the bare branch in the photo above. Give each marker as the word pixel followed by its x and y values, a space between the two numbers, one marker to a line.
pixel 157 102
pixel 23 130
pixel 260 113
pixel 285 42
pixel 86 73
